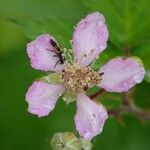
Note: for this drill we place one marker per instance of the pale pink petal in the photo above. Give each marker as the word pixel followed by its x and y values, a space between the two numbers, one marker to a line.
pixel 40 55
pixel 42 97
pixel 90 117
pixel 121 74
pixel 89 38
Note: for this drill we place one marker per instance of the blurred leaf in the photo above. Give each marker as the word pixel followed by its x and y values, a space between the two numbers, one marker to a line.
pixel 35 9
pixel 132 137
pixel 10 37
pixel 34 17
pixel 61 29
pixel 141 96
pixel 143 51
pixel 49 16
pixel 111 100
pixel 124 19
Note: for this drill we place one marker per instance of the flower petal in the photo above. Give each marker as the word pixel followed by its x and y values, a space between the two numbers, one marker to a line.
pixel 90 117
pixel 121 74
pixel 42 97
pixel 90 38
pixel 41 55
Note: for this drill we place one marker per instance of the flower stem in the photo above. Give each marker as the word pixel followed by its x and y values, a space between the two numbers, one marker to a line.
pixel 138 112
pixel 128 105
pixel 127 51
pixel 97 94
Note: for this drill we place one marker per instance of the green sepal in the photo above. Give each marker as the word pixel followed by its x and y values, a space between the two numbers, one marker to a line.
pixel 137 59
pixel 68 55
pixel 52 78
pixel 69 96
pixel 86 145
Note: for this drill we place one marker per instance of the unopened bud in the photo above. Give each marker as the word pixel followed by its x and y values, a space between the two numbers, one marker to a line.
pixel 65 141
pixel 86 145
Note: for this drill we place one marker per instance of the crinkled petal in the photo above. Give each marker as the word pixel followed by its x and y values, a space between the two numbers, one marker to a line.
pixel 40 52
pixel 90 117
pixel 42 97
pixel 89 38
pixel 121 74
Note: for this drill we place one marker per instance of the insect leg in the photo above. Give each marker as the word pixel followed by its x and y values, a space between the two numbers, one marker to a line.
pixel 56 63
pixel 101 73
pixel 50 50
pixel 55 55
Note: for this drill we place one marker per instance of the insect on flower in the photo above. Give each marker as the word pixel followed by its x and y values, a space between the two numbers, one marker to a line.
pixel 57 50
pixel 89 40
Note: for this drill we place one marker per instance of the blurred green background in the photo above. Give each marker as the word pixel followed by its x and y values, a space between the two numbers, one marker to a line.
pixel 20 22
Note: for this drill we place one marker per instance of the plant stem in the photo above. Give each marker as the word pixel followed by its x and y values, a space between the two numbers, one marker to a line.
pixel 97 94
pixel 128 105
pixel 138 112
pixel 127 51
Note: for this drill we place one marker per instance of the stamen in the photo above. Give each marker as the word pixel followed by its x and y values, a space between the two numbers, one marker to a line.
pixel 79 78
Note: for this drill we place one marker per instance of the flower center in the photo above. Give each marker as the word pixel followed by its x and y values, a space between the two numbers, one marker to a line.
pixel 78 78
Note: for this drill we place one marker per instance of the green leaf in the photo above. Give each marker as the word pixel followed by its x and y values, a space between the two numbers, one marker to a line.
pixel 128 20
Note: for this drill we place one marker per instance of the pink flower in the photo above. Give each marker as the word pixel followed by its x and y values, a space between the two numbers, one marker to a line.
pixel 89 40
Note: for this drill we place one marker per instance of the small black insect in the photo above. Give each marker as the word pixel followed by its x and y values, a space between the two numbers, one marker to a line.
pixel 58 52
pixel 101 73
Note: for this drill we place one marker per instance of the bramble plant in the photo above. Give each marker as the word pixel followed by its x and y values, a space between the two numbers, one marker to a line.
pixel 74 76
